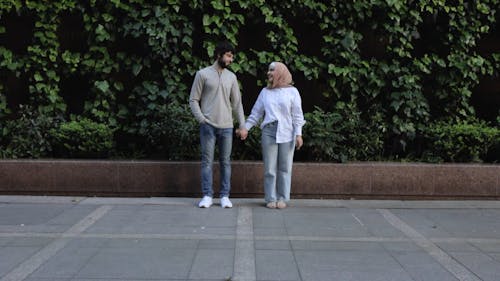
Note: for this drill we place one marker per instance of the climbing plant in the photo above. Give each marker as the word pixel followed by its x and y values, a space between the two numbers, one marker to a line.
pixel 120 62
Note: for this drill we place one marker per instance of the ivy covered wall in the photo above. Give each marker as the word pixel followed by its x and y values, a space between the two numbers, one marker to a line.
pixel 389 67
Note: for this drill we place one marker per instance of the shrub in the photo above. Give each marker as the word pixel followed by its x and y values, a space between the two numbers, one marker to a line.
pixel 340 136
pixel 322 137
pixel 250 148
pixel 28 136
pixel 82 138
pixel 460 141
pixel 174 133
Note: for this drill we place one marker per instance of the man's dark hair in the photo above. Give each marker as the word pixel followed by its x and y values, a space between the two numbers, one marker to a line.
pixel 222 48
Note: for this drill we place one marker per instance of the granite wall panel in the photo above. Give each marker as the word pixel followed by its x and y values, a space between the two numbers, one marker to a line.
pixel 310 180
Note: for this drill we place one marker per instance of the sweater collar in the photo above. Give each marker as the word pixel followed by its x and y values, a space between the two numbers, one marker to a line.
pixel 216 67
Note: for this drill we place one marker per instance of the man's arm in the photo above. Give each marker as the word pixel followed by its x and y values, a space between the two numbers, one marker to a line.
pixel 195 97
pixel 237 105
pixel 238 112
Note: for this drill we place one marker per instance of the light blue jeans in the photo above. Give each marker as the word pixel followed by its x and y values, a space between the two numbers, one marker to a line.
pixel 209 136
pixel 278 159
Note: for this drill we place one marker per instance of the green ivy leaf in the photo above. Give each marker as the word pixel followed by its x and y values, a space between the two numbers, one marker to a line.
pixel 38 77
pixel 136 69
pixel 163 94
pixel 103 86
pixel 206 20
pixel 107 17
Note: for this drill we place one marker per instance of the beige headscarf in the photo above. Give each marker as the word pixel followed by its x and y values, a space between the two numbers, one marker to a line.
pixel 282 77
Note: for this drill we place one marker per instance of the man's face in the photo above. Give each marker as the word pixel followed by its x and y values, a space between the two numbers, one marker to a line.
pixel 226 59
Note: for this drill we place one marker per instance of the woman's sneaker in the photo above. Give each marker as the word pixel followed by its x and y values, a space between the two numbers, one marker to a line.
pixel 271 205
pixel 281 204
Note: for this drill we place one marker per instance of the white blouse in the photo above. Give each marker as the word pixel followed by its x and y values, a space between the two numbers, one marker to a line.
pixel 280 104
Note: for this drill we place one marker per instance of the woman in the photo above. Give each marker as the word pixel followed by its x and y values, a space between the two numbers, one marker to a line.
pixel 280 107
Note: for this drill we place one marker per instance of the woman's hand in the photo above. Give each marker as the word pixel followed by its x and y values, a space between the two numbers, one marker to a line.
pixel 242 133
pixel 298 142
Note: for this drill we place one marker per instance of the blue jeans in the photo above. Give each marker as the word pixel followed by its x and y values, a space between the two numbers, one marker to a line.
pixel 209 135
pixel 278 159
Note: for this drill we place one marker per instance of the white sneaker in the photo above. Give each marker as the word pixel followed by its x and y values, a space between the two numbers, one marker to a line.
pixel 205 202
pixel 225 202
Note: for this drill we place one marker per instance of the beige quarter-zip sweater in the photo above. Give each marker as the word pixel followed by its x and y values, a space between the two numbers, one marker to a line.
pixel 215 98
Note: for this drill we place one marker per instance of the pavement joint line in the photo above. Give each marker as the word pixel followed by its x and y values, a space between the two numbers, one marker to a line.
pixel 454 267
pixel 27 267
pixel 253 202
pixel 244 254
pixel 244 237
pixel 334 239
pixel 358 220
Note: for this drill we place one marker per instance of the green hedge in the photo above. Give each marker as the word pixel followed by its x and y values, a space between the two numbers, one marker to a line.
pixel 174 134
pixel 82 138
pixel 460 141
pixel 397 65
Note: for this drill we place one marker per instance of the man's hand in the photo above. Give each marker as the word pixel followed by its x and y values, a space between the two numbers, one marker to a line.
pixel 242 133
pixel 298 142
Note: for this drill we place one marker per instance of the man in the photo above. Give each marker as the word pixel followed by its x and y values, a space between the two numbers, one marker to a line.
pixel 215 97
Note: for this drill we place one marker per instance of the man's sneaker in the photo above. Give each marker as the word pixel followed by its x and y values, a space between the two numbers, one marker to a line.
pixel 225 202
pixel 205 202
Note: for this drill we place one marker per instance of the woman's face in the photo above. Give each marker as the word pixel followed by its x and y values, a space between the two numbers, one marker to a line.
pixel 270 72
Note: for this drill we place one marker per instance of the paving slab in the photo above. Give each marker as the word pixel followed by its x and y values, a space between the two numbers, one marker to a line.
pixel 276 265
pixel 422 267
pixel 214 264
pixel 11 256
pixel 484 266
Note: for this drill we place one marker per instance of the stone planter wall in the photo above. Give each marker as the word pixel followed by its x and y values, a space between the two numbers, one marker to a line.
pixel 364 180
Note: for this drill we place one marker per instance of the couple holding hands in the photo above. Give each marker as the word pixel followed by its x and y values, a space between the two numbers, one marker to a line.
pixel 215 98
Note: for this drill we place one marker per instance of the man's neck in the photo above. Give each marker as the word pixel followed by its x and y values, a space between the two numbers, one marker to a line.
pixel 218 67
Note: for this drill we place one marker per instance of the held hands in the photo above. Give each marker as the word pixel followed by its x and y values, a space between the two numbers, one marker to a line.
pixel 298 142
pixel 242 133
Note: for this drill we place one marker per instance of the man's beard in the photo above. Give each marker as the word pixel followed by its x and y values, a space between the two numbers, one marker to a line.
pixel 221 63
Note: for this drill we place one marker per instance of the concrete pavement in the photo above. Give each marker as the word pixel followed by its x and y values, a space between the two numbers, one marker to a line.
pixel 84 239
